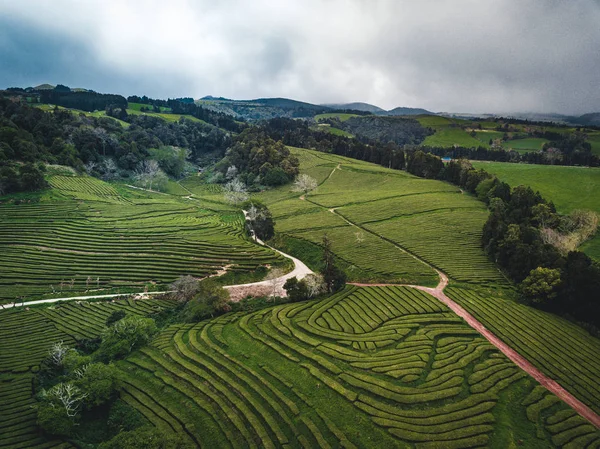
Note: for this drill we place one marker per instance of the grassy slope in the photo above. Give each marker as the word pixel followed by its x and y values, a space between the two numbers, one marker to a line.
pixel 448 133
pixel 49 107
pixel 342 117
pixel 568 187
pixel 369 367
pixel 530 144
pixel 387 209
pixel 87 234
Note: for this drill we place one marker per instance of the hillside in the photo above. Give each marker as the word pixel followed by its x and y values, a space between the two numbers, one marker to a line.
pixel 262 108
pixel 358 106
pixel 428 345
pixel 408 111
pixel 569 188
pixel 383 366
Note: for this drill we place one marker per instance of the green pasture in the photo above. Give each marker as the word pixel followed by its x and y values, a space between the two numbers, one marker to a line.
pixel 139 106
pixel 332 130
pixel 50 107
pixel 528 144
pixel 569 188
pixel 340 116
pixel 166 116
pixel 449 137
pixel 594 140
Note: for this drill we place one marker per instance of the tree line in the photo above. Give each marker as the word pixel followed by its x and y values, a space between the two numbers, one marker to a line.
pixel 97 145
pixel 297 133
pixel 533 244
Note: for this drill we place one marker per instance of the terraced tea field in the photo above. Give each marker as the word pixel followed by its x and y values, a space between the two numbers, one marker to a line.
pixel 386 225
pixel 367 367
pixel 562 350
pixel 84 235
pixel 27 335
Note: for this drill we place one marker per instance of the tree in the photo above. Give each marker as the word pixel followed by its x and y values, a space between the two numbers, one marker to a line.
pixel 315 284
pixel 304 184
pixel 114 317
pixel 235 192
pixel 98 381
pixel 57 353
pixel 273 280
pixel 147 173
pixel 260 221
pixel 334 277
pixel 110 169
pixel 541 285
pixel 185 288
pixel 124 336
pixel 211 298
pixel 296 290
pixel 65 395
pixel 232 173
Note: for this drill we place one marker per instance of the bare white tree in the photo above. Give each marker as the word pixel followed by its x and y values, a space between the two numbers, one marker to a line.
pixel 80 372
pixel 273 278
pixel 89 167
pixel 232 173
pixel 57 353
pixel 304 183
pixel 110 169
pixel 315 284
pixel 235 192
pixel 185 288
pixel 147 172
pixel 68 395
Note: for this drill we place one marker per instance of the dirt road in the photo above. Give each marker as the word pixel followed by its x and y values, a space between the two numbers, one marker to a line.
pixel 550 384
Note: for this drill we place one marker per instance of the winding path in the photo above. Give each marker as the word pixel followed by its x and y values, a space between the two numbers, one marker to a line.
pixel 270 287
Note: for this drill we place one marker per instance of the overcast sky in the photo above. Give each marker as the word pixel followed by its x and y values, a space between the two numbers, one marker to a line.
pixel 459 56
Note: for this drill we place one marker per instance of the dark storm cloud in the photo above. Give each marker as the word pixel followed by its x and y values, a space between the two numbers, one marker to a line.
pixel 467 55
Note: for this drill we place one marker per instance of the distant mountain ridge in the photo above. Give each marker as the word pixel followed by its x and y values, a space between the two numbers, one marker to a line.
pixel 358 106
pixel 366 107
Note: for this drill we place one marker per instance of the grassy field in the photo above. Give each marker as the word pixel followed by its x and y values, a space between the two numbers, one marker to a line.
pixel 139 106
pixel 453 136
pixel 332 130
pixel 528 144
pixel 594 140
pixel 50 107
pixel 133 109
pixel 166 116
pixel 341 116
pixel 85 234
pixel 568 187
pixel 368 367
pixel 386 225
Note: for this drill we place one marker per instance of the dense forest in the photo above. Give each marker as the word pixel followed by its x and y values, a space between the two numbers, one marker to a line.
pixel 95 144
